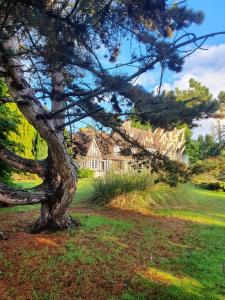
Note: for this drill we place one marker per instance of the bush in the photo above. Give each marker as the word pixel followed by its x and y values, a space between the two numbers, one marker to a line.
pixel 214 186
pixel 114 184
pixel 172 173
pixel 205 166
pixel 85 173
pixel 209 174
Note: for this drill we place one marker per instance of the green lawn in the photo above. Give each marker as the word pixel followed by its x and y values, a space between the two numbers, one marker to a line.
pixel 168 253
pixel 197 268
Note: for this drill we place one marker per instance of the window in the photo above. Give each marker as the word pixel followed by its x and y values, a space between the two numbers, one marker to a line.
pixel 94 164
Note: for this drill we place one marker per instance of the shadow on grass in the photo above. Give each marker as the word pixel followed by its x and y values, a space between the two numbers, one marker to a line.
pixel 157 254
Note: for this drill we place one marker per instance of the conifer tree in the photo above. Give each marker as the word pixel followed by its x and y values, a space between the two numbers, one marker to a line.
pixel 67 54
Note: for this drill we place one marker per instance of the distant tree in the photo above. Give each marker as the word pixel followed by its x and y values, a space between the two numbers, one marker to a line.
pixel 9 121
pixel 220 117
pixel 207 146
pixel 39 147
pixel 195 90
pixel 67 54
pixel 30 144
pixel 202 97
pixel 203 148
pixel 192 150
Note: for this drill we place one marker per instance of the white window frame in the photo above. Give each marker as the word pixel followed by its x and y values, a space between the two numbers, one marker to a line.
pixel 94 164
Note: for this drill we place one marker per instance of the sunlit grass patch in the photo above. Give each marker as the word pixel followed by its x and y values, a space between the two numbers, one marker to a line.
pixel 84 192
pixel 167 278
pixel 159 285
pixel 193 216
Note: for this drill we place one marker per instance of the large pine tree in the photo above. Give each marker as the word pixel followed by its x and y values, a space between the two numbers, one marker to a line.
pixel 67 53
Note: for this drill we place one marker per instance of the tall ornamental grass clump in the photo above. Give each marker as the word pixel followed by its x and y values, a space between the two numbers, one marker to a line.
pixel 117 183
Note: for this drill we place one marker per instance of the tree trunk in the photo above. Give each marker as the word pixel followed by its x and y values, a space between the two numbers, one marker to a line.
pixel 61 177
pixel 58 171
pixel 56 192
pixel 55 212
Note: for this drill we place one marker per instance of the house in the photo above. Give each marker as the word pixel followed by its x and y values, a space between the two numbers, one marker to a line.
pixel 98 151
pixel 101 152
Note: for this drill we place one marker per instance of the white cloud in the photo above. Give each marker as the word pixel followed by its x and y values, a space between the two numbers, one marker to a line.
pixel 206 66
pixel 207 126
pixel 146 80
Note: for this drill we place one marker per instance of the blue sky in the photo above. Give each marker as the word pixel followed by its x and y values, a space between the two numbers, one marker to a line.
pixel 214 11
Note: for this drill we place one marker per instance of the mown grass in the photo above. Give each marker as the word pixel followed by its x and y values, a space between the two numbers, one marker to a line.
pixel 175 249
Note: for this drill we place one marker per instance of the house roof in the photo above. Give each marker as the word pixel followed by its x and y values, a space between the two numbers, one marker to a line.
pixel 83 139
pixel 166 142
pixel 143 137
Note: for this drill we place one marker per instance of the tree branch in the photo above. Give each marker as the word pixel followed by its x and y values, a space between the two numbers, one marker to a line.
pixel 97 92
pixel 4 100
pixel 18 162
pixel 9 195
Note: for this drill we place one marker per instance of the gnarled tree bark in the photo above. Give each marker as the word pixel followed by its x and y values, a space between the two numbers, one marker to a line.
pixel 58 172
pixel 27 165
pixel 9 195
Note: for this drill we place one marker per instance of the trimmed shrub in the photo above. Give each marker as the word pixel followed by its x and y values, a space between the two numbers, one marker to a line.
pixel 85 173
pixel 115 183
